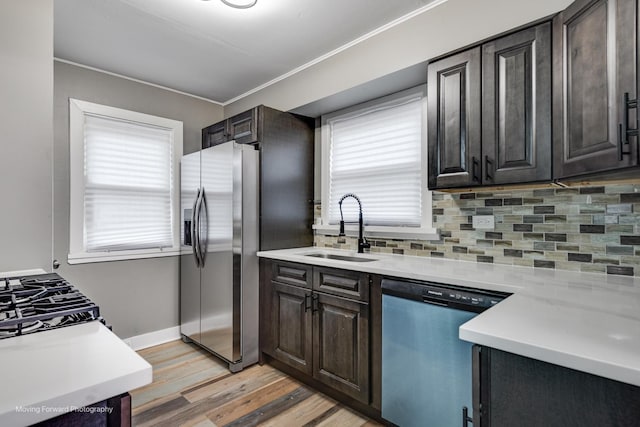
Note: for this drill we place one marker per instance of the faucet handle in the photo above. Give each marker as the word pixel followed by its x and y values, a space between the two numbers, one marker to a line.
pixel 363 244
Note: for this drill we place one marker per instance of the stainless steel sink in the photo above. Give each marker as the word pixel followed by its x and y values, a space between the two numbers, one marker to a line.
pixel 341 257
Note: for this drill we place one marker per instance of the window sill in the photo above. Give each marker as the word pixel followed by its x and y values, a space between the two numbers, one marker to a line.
pixel 88 257
pixel 406 233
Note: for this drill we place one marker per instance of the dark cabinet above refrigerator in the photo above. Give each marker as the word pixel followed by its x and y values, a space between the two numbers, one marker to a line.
pixel 241 128
pixel 252 126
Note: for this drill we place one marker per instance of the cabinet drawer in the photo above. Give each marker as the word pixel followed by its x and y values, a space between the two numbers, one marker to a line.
pixel 351 284
pixel 291 274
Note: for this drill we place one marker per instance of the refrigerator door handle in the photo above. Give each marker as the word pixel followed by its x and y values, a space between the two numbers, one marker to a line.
pixel 194 237
pixel 203 243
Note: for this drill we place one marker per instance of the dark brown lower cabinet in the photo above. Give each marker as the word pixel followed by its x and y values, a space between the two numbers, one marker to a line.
pixel 290 323
pixel 324 336
pixel 341 345
pixel 512 390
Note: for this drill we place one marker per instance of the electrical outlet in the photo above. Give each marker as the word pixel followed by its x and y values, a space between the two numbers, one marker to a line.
pixel 483 222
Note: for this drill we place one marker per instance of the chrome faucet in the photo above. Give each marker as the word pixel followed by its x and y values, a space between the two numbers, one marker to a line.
pixel 362 242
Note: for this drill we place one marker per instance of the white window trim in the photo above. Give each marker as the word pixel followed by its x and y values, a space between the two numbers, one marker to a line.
pixel 77 111
pixel 426 231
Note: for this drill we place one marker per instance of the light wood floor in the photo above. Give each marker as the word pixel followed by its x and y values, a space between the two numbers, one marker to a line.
pixel 192 388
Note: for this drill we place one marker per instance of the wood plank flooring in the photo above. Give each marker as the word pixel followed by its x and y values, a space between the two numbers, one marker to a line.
pixel 192 388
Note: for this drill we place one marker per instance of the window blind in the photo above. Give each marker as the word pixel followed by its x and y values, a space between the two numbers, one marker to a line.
pixel 376 155
pixel 128 185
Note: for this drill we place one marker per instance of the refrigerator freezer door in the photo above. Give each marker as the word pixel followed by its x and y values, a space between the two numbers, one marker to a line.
pixel 220 289
pixel 189 271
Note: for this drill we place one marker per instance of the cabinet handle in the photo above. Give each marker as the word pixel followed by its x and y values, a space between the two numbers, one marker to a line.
pixel 307 302
pixel 624 131
pixel 487 162
pixel 474 169
pixel 314 303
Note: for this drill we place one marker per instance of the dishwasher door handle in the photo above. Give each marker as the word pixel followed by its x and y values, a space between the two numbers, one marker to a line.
pixel 432 302
pixel 466 419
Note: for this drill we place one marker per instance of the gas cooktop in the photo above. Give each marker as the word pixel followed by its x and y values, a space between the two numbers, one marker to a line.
pixel 41 302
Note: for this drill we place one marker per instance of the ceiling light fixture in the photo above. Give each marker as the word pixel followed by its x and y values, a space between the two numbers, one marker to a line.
pixel 240 4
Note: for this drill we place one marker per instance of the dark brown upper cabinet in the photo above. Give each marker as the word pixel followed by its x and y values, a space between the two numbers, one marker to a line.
pixel 594 51
pixel 453 102
pixel 489 112
pixel 516 107
pixel 214 134
pixel 242 128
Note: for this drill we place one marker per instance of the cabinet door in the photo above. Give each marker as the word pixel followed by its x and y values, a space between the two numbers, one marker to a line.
pixel 524 392
pixel 243 128
pixel 516 107
pixel 214 134
pixel 289 339
pixel 595 64
pixel 453 99
pixel 341 345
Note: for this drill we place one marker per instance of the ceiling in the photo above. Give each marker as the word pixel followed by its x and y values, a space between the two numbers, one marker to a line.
pixel 208 49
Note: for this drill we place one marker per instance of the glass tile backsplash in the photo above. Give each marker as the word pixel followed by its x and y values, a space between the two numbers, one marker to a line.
pixel 592 229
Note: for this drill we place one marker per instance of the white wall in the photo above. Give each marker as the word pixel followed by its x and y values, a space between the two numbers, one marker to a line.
pixel 26 136
pixel 448 26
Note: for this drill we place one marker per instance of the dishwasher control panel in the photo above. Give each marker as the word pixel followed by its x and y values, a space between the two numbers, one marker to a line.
pixel 472 298
pixel 441 294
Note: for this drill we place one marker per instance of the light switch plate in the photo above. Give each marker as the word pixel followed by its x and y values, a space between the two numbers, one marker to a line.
pixel 483 222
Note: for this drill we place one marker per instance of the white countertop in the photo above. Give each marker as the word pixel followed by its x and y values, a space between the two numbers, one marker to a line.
pixel 45 374
pixel 584 321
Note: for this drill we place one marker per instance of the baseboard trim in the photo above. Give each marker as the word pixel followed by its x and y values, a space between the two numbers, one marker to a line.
pixel 151 339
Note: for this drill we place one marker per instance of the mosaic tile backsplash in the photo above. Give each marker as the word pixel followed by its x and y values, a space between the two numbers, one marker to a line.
pixel 591 229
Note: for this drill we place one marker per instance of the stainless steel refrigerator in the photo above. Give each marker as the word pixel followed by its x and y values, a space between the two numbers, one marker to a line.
pixel 218 262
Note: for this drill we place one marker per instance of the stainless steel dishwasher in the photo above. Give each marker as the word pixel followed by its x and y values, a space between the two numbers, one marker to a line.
pixel 426 368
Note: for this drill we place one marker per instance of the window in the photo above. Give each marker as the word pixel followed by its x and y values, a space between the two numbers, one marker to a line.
pixel 124 185
pixel 377 151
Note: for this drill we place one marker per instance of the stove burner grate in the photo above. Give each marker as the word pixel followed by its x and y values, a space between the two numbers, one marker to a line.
pixel 43 302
